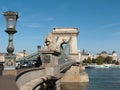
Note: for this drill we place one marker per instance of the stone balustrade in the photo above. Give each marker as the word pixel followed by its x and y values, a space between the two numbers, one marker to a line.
pixel 24 78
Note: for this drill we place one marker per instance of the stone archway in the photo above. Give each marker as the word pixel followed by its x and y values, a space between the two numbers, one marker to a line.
pixel 66 34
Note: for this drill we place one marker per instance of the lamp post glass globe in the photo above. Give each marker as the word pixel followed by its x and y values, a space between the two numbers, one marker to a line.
pixel 11 18
pixel 11 23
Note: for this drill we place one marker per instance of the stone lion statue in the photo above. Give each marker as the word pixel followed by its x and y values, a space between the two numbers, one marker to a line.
pixel 50 42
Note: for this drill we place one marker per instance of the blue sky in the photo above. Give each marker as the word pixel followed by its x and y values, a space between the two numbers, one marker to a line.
pixel 98 22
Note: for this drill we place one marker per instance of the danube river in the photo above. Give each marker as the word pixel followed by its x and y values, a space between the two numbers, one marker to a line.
pixel 100 79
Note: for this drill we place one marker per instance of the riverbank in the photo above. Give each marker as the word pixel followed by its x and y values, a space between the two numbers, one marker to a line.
pixel 102 66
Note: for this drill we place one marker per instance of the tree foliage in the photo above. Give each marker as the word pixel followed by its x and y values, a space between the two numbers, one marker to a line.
pixel 99 60
pixel 93 60
pixel 89 60
pixel 108 60
pixel 85 61
pixel 117 63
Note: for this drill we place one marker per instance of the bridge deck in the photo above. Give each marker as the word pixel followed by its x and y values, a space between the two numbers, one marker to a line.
pixel 8 83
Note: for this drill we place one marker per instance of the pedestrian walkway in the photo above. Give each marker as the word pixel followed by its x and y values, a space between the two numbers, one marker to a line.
pixel 8 83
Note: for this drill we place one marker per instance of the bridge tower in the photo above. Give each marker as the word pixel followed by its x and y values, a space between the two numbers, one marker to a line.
pixel 64 34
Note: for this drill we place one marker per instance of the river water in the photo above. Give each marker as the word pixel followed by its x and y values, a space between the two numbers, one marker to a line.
pixel 100 79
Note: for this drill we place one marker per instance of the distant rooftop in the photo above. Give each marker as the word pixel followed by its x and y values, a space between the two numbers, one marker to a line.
pixel 104 52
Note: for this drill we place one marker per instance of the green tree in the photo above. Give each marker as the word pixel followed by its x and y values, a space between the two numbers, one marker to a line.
pixel 89 61
pixel 108 60
pixel 117 63
pixel 93 60
pixel 99 60
pixel 114 62
pixel 85 61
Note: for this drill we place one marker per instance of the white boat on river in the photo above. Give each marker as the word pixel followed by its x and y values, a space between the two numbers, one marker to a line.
pixel 99 66
pixel 103 66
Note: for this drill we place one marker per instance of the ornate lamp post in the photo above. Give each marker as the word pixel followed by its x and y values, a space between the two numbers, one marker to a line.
pixel 24 52
pixel 39 48
pixel 11 18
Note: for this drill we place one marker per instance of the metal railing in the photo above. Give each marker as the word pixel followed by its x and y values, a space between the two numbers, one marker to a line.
pixel 66 65
pixel 32 56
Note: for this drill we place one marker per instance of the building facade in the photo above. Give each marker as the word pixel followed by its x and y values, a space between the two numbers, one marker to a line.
pixel 85 55
pixel 18 55
pixel 104 54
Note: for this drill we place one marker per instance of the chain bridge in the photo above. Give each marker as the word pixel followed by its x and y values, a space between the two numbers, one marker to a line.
pixel 56 60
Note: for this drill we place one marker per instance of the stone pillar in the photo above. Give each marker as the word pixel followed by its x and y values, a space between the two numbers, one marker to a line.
pixel 74 44
pixel 50 62
pixel 74 74
pixel 66 33
pixel 9 66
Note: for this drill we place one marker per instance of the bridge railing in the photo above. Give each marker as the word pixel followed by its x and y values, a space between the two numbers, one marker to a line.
pixel 27 76
pixel 29 57
pixel 66 65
